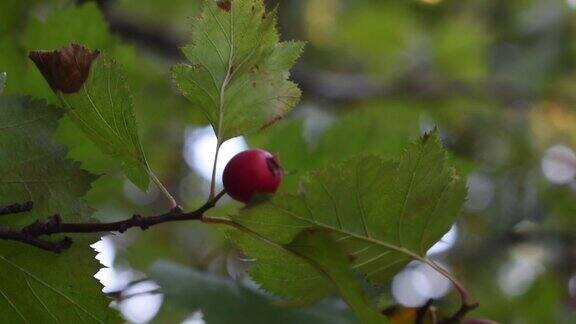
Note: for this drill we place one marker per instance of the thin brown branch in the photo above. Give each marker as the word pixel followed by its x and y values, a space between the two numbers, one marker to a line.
pixel 460 314
pixel 16 208
pixel 31 234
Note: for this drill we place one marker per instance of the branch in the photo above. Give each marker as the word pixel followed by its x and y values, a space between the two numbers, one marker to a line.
pixel 460 314
pixel 31 234
pixel 16 208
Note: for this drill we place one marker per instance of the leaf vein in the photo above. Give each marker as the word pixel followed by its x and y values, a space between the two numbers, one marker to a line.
pixel 40 300
pixel 50 287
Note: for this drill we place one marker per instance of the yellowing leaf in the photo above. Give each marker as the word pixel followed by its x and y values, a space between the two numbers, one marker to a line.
pixel 41 287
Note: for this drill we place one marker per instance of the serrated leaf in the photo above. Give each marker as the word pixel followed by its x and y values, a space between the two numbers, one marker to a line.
pixel 384 214
pixel 103 110
pixel 40 287
pixel 192 290
pixel 64 24
pixel 34 167
pixel 37 286
pixel 281 271
pixel 320 249
pixel 239 70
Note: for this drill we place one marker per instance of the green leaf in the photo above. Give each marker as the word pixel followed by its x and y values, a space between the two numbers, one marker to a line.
pixel 281 271
pixel 103 110
pixel 238 73
pixel 382 128
pixel 383 214
pixel 64 24
pixel 34 167
pixel 38 286
pixel 320 249
pixel 192 290
pixel 41 287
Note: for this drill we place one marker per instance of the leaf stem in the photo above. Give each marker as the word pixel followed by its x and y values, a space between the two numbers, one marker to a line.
pixel 225 83
pixel 214 166
pixel 464 295
pixel 163 190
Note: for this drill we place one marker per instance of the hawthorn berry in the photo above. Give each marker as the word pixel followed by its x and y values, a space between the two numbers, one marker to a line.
pixel 252 172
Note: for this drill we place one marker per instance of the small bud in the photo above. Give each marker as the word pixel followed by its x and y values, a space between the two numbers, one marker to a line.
pixel 65 70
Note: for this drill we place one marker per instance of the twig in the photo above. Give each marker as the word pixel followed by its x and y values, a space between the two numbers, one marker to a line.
pixel 7 233
pixel 460 314
pixel 53 225
pixel 422 311
pixel 16 208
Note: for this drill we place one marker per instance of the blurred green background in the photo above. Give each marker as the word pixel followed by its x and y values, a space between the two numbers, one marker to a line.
pixel 497 77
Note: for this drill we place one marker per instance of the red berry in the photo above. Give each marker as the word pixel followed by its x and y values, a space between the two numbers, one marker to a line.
pixel 251 172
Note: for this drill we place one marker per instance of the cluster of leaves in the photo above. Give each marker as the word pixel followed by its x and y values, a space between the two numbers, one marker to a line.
pixel 35 167
pixel 38 286
pixel 363 216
